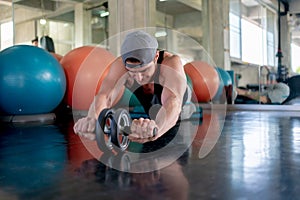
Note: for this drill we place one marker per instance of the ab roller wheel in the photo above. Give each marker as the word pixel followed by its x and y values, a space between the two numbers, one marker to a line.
pixel 112 130
pixel 104 130
pixel 120 136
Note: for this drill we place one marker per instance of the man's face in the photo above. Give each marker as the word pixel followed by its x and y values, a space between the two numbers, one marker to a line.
pixel 35 43
pixel 142 75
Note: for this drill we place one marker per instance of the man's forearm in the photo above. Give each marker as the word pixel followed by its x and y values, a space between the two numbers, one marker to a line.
pixel 99 103
pixel 168 115
pixel 252 95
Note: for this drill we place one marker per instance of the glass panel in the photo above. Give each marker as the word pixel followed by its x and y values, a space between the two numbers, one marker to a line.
pixel 257 45
pixel 235 29
pixel 271 21
pixel 252 43
pixel 181 27
pixel 6 30
pixel 99 23
pixel 56 18
pixel 295 50
pixel 61 32
pixel 270 49
pixel 235 36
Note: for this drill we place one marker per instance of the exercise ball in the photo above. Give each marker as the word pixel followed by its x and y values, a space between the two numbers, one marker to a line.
pixel 84 67
pixel 32 81
pixel 205 80
pixel 224 86
pixel 57 56
pixel 224 76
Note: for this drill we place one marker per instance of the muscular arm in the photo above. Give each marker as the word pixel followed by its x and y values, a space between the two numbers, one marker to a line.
pixel 111 89
pixel 173 80
pixel 110 92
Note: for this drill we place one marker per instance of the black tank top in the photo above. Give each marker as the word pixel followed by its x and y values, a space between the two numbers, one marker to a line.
pixel 147 100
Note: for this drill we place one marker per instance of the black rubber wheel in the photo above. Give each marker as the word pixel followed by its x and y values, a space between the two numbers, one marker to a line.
pixel 105 128
pixel 120 137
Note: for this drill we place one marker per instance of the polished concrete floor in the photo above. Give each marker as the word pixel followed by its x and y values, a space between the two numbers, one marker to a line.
pixel 255 156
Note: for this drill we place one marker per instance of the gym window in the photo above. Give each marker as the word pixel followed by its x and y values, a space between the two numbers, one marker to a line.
pixel 252 33
pixel 295 51
pixel 6 39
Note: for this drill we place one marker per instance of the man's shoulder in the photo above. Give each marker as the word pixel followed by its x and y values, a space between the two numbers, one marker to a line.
pixel 168 57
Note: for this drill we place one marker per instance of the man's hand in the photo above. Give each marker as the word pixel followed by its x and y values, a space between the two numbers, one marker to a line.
pixel 85 127
pixel 142 130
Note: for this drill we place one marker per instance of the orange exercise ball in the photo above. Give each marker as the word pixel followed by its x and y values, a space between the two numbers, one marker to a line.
pixel 84 67
pixel 57 56
pixel 205 80
pixel 101 78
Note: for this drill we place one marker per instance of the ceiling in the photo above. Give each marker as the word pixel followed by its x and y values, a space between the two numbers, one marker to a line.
pixel 170 7
pixel 173 7
pixel 47 5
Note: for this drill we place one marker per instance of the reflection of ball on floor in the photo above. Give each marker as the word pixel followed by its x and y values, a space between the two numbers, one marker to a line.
pixel 205 80
pixel 31 81
pixel 31 160
pixel 84 67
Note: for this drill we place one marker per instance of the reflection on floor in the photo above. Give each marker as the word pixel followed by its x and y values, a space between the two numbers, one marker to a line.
pixel 256 156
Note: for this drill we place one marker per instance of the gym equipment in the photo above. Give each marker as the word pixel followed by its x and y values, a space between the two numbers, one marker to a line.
pixel 224 87
pixel 85 68
pixel 225 76
pixel 282 70
pixel 113 128
pixel 205 80
pixel 57 56
pixel 32 81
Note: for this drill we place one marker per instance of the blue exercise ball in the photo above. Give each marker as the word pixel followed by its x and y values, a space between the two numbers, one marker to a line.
pixel 32 81
pixel 225 76
pixel 225 81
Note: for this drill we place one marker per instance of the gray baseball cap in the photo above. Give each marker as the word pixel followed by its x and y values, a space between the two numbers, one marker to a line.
pixel 139 45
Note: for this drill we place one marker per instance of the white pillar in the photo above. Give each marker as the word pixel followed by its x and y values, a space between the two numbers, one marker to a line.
pixel 83 32
pixel 215 18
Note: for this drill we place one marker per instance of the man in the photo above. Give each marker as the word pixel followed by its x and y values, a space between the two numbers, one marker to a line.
pixel 35 41
pixel 47 43
pixel 144 70
pixel 276 93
